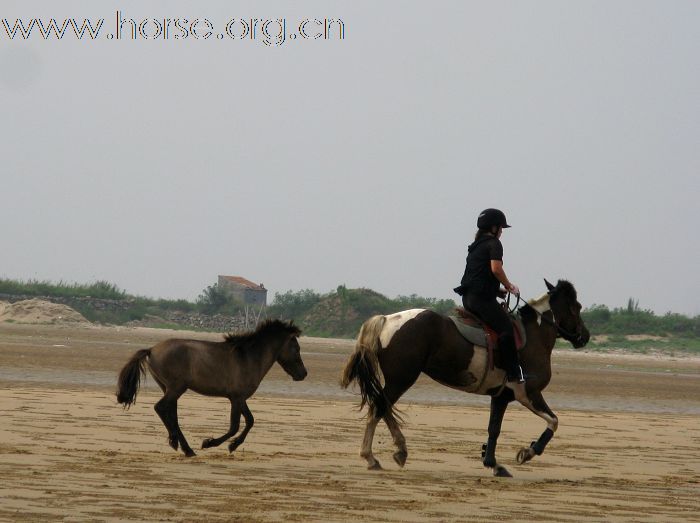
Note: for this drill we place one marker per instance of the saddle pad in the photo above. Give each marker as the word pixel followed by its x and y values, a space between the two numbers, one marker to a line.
pixel 475 335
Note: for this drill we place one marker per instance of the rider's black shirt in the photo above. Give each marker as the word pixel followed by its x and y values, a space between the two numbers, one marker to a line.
pixel 478 277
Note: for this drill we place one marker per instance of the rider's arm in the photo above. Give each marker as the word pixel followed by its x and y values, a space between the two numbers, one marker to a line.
pixel 500 274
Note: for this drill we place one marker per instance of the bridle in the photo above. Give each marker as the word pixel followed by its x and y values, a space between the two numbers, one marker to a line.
pixel 561 331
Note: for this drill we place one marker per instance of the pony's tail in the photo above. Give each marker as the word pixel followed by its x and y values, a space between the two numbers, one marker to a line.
pixel 130 378
pixel 363 368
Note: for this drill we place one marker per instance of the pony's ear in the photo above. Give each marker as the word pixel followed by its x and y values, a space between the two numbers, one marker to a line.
pixel 550 287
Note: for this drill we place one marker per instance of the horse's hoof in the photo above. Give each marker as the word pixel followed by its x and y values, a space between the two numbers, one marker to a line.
pixel 489 462
pixel 173 443
pixel 207 443
pixel 190 453
pixel 374 466
pixel 501 472
pixel 524 455
pixel 233 446
pixel 400 457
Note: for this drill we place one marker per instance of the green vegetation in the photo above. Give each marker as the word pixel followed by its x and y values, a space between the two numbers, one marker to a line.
pixel 633 320
pixel 132 307
pixel 99 289
pixel 668 345
pixel 341 312
pixel 214 300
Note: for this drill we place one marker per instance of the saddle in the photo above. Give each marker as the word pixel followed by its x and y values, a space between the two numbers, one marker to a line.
pixel 477 332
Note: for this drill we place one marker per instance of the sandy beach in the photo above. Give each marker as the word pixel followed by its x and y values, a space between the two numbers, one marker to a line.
pixel 627 448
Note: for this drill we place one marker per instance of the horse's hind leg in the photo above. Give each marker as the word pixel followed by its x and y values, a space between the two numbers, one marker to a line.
pixel 399 440
pixel 162 408
pixel 233 427
pixel 366 451
pixel 393 393
pixel 167 410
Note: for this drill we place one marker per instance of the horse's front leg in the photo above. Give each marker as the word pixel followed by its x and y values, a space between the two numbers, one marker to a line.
pixel 499 404
pixel 536 448
pixel 233 428
pixel 249 420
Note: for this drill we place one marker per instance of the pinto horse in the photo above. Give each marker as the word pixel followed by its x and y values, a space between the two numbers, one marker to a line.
pixel 232 368
pixel 404 344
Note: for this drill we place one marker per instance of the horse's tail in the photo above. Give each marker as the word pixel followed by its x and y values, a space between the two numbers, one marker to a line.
pixel 130 378
pixel 363 367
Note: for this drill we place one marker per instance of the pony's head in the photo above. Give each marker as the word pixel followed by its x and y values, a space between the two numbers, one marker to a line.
pixel 567 313
pixel 279 334
pixel 289 356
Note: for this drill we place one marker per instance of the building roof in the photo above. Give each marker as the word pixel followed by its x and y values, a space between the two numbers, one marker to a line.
pixel 246 283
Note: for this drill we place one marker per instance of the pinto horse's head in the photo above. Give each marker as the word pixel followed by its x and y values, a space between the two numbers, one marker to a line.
pixel 567 313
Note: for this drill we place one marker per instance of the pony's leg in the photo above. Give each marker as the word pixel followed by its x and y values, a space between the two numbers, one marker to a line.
pixel 166 408
pixel 180 436
pixel 499 404
pixel 366 451
pixel 233 427
pixel 536 448
pixel 249 420
pixel 163 410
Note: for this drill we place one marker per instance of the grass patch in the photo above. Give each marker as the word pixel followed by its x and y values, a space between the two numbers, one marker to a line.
pixel 99 289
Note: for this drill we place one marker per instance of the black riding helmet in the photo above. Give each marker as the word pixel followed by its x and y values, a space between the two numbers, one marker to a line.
pixel 490 217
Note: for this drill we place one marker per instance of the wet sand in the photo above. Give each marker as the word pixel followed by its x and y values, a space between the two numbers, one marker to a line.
pixel 627 448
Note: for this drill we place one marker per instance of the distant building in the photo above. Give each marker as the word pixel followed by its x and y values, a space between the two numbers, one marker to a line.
pixel 244 291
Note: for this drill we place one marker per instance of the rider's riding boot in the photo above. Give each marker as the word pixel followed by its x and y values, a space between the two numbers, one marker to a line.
pixel 516 382
pixel 516 374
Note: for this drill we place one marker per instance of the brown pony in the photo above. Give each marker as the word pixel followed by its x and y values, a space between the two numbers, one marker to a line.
pixel 232 368
pixel 404 344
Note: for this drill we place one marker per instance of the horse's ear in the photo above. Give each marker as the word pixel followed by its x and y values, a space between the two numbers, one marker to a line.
pixel 550 287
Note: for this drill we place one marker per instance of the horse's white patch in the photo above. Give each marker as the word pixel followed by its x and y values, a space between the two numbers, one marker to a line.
pixel 486 378
pixel 394 322
pixel 541 305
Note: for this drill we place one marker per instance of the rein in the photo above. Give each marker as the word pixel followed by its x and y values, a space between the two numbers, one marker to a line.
pixel 561 332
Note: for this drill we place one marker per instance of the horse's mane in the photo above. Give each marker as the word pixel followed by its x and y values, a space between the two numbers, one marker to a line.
pixel 565 288
pixel 266 328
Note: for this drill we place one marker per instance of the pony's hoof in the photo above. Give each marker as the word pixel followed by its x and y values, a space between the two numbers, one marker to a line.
pixel 190 453
pixel 207 443
pixel 501 472
pixel 374 466
pixel 400 457
pixel 524 455
pixel 173 443
pixel 234 445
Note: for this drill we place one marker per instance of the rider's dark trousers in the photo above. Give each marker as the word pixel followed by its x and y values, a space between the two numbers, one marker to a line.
pixel 493 315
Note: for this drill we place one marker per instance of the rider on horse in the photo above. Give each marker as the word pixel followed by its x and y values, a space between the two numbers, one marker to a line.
pixel 480 288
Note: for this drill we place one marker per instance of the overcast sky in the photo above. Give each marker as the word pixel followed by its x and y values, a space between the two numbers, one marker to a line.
pixel 159 164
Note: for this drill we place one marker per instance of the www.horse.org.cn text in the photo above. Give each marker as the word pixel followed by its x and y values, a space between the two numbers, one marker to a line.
pixel 272 32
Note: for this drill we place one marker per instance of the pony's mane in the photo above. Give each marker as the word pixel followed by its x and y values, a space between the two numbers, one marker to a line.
pixel 269 327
